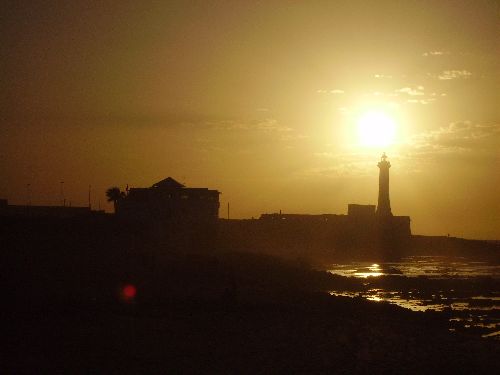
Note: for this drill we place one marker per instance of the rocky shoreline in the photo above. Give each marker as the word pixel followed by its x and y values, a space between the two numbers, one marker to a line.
pixel 232 313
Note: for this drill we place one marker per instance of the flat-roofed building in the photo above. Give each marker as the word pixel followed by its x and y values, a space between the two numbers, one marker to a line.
pixel 360 209
pixel 184 219
pixel 169 200
pixel 31 211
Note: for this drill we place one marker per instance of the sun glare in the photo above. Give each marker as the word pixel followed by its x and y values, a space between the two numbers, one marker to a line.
pixel 376 129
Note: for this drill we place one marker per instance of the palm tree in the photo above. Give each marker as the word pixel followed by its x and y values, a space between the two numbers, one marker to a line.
pixel 114 195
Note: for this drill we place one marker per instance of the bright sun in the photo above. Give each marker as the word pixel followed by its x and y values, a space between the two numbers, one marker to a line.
pixel 376 129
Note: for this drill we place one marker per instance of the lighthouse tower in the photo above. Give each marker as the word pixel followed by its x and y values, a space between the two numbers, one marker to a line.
pixel 384 204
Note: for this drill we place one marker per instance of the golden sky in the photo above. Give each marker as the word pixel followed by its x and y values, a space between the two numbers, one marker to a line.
pixel 261 100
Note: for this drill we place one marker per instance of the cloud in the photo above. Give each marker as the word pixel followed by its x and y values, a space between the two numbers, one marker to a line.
pixel 462 137
pixel 410 91
pixel 334 92
pixel 271 125
pixel 435 53
pixel 291 136
pixel 454 74
pixel 330 164
pixel 267 125
pixel 228 125
pixel 416 95
pixel 339 170
pixel 457 142
pixel 421 101
pixel 328 155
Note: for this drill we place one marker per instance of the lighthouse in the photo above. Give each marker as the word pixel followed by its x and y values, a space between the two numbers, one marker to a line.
pixel 384 204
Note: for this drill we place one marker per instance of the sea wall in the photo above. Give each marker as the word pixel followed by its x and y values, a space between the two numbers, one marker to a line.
pixel 316 236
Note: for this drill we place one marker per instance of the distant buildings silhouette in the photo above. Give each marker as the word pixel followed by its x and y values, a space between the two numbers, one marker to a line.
pixel 30 211
pixel 169 200
pixel 369 215
pixel 366 230
pixel 188 218
pixel 360 209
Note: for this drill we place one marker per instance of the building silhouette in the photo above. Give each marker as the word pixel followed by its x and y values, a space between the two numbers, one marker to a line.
pixel 384 203
pixel 169 200
pixel 31 211
pixel 187 219
pixel 363 210
pixel 361 216
pixel 365 230
pixel 183 219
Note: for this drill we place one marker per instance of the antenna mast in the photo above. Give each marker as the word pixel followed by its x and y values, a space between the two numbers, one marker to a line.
pixel 61 192
pixel 28 191
pixel 90 205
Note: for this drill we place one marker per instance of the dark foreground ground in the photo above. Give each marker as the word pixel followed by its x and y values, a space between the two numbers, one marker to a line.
pixel 231 313
pixel 297 334
pixel 64 311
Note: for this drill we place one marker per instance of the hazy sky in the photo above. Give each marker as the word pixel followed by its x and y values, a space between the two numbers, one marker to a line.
pixel 258 99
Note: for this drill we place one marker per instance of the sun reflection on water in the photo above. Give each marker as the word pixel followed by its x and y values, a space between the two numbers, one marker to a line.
pixel 413 266
pixel 373 271
pixel 468 309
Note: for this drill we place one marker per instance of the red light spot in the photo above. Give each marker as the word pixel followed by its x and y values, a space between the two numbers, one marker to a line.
pixel 129 291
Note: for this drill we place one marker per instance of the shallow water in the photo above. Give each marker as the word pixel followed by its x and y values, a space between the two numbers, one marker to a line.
pixel 431 266
pixel 467 290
